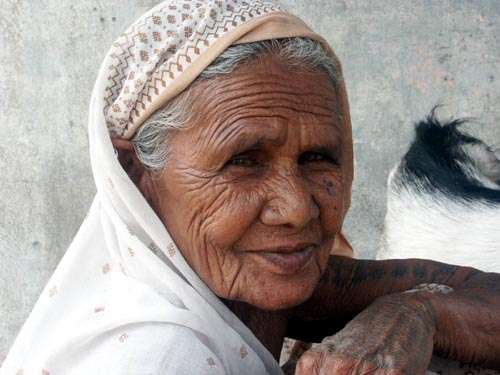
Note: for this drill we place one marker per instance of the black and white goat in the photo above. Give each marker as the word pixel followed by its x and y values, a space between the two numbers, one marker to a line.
pixel 443 199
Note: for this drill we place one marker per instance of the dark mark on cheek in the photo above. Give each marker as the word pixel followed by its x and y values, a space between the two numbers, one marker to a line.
pixel 330 188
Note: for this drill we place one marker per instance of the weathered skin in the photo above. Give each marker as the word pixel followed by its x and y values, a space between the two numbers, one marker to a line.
pixel 464 325
pixel 260 170
pixel 389 337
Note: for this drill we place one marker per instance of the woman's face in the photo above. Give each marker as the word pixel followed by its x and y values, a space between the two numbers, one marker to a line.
pixel 253 191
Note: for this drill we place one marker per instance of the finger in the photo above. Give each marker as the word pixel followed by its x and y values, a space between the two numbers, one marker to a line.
pixel 328 363
pixel 310 363
pixel 316 362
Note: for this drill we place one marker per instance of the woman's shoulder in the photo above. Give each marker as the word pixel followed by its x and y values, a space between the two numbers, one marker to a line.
pixel 150 348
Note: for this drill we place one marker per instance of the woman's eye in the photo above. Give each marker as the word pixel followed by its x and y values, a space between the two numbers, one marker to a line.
pixel 243 160
pixel 308 157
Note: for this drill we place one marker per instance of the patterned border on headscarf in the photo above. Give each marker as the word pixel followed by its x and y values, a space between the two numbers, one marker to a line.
pixel 159 47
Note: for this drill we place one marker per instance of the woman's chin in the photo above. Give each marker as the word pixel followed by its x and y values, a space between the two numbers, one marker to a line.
pixel 274 283
pixel 271 289
pixel 280 304
pixel 282 292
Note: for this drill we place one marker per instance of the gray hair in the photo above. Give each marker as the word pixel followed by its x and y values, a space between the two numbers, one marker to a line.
pixel 151 140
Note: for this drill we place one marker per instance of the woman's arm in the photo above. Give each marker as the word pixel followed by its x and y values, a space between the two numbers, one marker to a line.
pixel 467 321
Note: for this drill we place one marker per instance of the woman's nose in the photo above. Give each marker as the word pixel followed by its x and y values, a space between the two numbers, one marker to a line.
pixel 291 203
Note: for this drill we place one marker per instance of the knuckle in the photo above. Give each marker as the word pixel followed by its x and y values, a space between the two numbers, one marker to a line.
pixel 309 363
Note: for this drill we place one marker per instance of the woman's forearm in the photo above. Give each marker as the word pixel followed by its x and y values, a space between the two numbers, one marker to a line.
pixel 467 320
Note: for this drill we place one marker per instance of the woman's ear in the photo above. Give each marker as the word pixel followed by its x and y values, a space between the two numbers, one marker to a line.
pixel 129 160
pixel 139 175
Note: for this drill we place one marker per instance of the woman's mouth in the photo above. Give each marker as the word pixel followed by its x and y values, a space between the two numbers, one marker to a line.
pixel 287 261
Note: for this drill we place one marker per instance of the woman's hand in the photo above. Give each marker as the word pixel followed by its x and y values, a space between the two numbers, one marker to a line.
pixel 393 336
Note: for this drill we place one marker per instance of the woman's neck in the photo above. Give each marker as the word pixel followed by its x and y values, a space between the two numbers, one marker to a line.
pixel 268 326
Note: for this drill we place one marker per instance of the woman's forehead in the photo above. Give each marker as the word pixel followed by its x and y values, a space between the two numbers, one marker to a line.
pixel 268 131
pixel 270 94
pixel 267 74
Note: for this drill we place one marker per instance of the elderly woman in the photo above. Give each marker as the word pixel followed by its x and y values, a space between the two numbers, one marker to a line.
pixel 221 148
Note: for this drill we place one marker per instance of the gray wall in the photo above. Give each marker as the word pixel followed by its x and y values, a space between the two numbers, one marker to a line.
pixel 400 59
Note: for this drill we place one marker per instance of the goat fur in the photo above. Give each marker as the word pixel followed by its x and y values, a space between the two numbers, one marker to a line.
pixel 443 199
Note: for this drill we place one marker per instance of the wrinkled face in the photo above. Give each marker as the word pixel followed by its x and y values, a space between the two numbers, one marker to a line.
pixel 252 193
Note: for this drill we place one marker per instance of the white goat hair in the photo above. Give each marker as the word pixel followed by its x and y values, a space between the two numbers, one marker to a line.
pixel 440 228
pixel 443 200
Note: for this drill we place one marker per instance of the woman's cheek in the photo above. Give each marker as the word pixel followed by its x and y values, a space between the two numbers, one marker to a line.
pixel 237 208
pixel 329 195
pixel 229 217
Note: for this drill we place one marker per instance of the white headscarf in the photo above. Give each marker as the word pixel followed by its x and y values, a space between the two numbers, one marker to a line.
pixel 123 300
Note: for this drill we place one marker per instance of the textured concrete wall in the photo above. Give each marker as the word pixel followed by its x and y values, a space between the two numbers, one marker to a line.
pixel 400 59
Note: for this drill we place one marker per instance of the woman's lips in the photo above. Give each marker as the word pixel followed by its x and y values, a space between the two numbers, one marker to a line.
pixel 287 262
